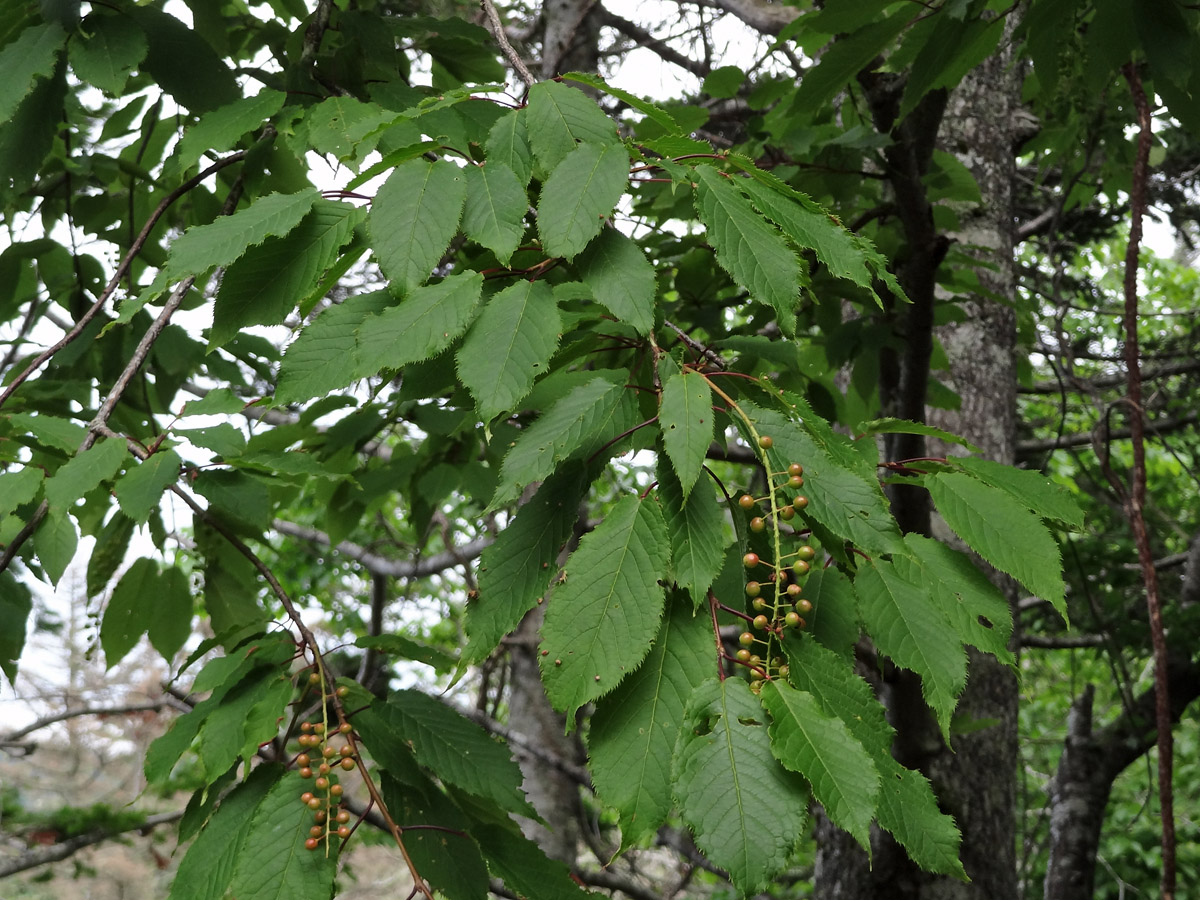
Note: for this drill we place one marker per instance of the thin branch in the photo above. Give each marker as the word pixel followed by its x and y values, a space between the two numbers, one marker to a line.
pixel 134 249
pixel 645 39
pixel 616 881
pixel 1137 493
pixel 1104 381
pixel 1061 642
pixel 45 721
pixel 31 859
pixel 514 59
pixel 1066 441
pixel 379 565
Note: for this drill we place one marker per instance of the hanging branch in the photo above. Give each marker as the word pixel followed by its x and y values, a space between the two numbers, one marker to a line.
pixel 1137 492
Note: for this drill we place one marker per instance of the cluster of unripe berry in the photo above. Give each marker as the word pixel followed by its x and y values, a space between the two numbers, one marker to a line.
pixel 319 760
pixel 775 587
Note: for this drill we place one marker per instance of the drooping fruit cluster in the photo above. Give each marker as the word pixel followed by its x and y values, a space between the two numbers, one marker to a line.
pixel 320 760
pixel 775 586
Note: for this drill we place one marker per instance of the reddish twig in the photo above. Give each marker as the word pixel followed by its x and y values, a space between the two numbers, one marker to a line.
pixel 1137 492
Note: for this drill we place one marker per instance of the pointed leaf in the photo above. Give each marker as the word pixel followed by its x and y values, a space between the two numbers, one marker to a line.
pixel 652 112
pixel 906 625
pixel 620 277
pixel 413 218
pixel 524 867
pixel 751 251
pixel 456 749
pixel 579 196
pixel 128 612
pixel 1042 495
pixel 85 472
pixel 19 487
pixel 170 623
pixel 686 418
pixel 207 868
pixel 322 358
pixel 634 729
pixel 141 487
pixel 183 62
pixel 109 552
pixel 974 606
pixel 509 345
pixel 221 242
pixel 270 280
pixel 909 810
pixel 834 617
pixel 696 527
pixel 221 129
pixel 55 542
pixel 16 602
pixel 428 321
pixel 508 144
pixel 1002 530
pixel 601 618
pixel 890 425
pixel 32 56
pixel 515 571
pixel 494 215
pixel 559 117
pixel 819 746
pixel 566 427
pixel 745 810
pixel 273 863
pixel 105 50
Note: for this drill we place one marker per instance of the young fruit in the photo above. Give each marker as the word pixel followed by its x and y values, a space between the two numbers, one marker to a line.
pixel 753 588
pixel 336 790
pixel 758 524
pixel 746 639
pixel 800 502
pixel 314 803
pixel 750 560
pixel 759 604
pixel 346 727
pixel 804 606
pixel 348 763
pixel 342 692
pixel 761 623
pixel 800 567
pixel 807 553
pixel 312 844
pixel 323 769
pixel 303 760
pixel 796 481
pixel 765 442
pixel 321 783
pixel 746 501
pixel 793 620
pixel 795 469
pixel 314 677
pixel 343 831
pixel 342 817
pixel 305 797
pixel 305 772
pixel 743 655
pixel 316 831
pixel 786 513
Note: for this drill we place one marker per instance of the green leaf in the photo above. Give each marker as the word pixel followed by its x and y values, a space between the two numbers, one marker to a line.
pixel 524 867
pixel 404 647
pixel 19 487
pixel 272 863
pixel 221 129
pixel 509 345
pixel 723 82
pixel 170 621
pixel 494 215
pixel 840 499
pixel 413 218
pixel 635 728
pixel 141 487
pixel 745 810
pixel 515 571
pixel 654 113
pixel 221 242
pixel 224 439
pixel 1003 531
pixel 183 63
pixel 686 418
pixel 105 50
pixel 834 617
pixel 270 280
pixel 16 602
pixel 1044 496
pixel 84 473
pixel 601 618
pixel 568 426
pixel 127 614
pixel 578 197
pixel 508 144
pixel 906 625
pixel 341 126
pixel 51 431
pixel 32 56
pixel 30 132
pixel 616 270
pixel 55 542
pixel 841 692
pixel 975 606
pixel 954 48
pixel 558 118
pixel 909 810
pixel 903 426
pixel 247 716
pixel 808 740
pixel 322 358
pixel 844 59
pixel 696 528
pixel 428 321
pixel 109 552
pixel 206 869
pixel 460 752
pixel 751 251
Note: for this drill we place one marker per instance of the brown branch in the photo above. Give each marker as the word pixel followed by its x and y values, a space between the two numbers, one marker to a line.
pixel 657 45
pixel 45 721
pixel 514 59
pixel 1137 492
pixel 1067 441
pixel 31 859
pixel 134 249
pixel 1103 381
pixel 315 32
pixel 1061 642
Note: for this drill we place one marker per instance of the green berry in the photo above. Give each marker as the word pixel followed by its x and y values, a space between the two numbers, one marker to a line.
pixel 792 620
pixel 746 639
pixel 804 606
pixel 758 524
pixel 800 502
pixel 765 442
pixel 759 603
pixel 795 469
pixel 743 655
pixel 761 622
pixel 806 552
pixel 750 560
pixel 786 513
pixel 800 567
pixel 753 588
